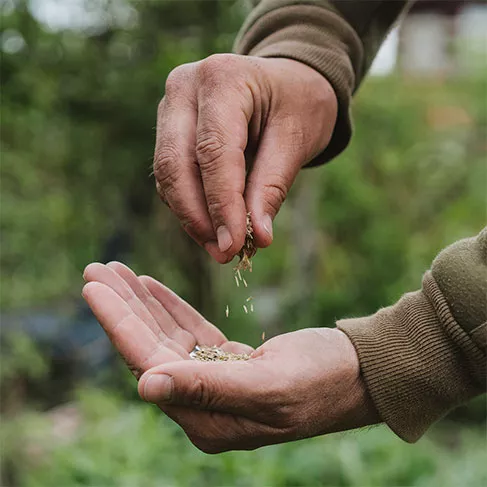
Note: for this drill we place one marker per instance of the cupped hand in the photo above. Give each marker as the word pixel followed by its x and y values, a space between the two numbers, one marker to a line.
pixel 296 385
pixel 232 134
pixel 146 322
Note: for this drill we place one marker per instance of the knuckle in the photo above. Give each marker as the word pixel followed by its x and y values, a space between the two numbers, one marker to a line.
pixel 215 207
pixel 214 65
pixel 166 169
pixel 210 148
pixel 176 79
pixel 223 74
pixel 219 202
pixel 275 192
pixel 198 394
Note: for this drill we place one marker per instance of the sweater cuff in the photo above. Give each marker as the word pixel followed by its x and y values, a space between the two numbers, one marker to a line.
pixel 417 362
pixel 320 39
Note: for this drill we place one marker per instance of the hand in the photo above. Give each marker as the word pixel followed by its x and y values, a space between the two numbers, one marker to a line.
pixel 294 386
pixel 232 134
pixel 147 323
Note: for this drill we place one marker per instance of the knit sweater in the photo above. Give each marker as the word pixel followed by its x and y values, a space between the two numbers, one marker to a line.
pixel 425 354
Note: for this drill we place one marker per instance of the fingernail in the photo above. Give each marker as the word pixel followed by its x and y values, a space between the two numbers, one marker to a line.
pixel 267 221
pixel 224 238
pixel 158 388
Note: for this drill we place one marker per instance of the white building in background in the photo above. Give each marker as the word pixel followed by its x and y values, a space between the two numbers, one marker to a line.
pixel 471 28
pixel 436 39
pixel 386 59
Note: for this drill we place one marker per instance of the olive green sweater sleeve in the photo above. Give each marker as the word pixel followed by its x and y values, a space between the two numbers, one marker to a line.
pixel 427 353
pixel 337 38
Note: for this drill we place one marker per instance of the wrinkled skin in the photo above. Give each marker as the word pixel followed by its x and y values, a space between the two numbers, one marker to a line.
pixel 295 385
pixel 232 134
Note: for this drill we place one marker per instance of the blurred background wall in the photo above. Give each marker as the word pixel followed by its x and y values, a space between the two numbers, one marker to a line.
pixel 80 83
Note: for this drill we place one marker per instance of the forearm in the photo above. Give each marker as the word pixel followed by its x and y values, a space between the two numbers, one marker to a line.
pixel 338 39
pixel 427 353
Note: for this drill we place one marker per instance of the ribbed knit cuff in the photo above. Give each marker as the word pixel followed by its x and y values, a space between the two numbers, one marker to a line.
pixel 320 39
pixel 417 362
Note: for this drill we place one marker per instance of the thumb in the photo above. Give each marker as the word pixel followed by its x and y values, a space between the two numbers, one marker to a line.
pixel 276 166
pixel 227 387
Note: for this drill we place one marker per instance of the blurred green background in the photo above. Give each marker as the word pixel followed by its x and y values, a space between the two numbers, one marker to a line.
pixel 79 96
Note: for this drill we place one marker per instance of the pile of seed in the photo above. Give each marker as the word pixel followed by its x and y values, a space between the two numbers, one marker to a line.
pixel 215 354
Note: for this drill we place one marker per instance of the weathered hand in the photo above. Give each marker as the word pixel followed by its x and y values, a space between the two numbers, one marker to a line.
pixel 232 134
pixel 296 385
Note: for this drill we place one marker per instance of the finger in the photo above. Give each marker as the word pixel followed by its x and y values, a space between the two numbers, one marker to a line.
pixel 184 315
pixel 101 273
pixel 165 321
pixel 178 178
pixel 134 341
pixel 276 166
pixel 244 388
pixel 221 138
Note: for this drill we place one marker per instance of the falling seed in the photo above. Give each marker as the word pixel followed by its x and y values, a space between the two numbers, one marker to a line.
pixel 249 299
pixel 263 336
pixel 236 280
pixel 227 311
pixel 251 308
pixel 245 309
pixel 244 281
pixel 238 274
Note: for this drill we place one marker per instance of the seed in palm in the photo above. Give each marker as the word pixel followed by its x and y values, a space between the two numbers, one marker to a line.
pixel 215 354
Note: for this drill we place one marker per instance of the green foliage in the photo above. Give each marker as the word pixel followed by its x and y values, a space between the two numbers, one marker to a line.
pixel 79 114
pixel 20 356
pixel 131 444
pixel 78 117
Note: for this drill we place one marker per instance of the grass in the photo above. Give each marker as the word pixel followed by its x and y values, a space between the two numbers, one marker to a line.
pixel 129 444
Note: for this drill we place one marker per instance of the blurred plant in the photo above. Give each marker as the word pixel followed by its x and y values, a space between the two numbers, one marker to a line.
pixel 78 113
pixel 21 357
pixel 121 444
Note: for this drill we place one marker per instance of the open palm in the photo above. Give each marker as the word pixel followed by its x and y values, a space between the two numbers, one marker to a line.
pixel 293 386
pixel 147 322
